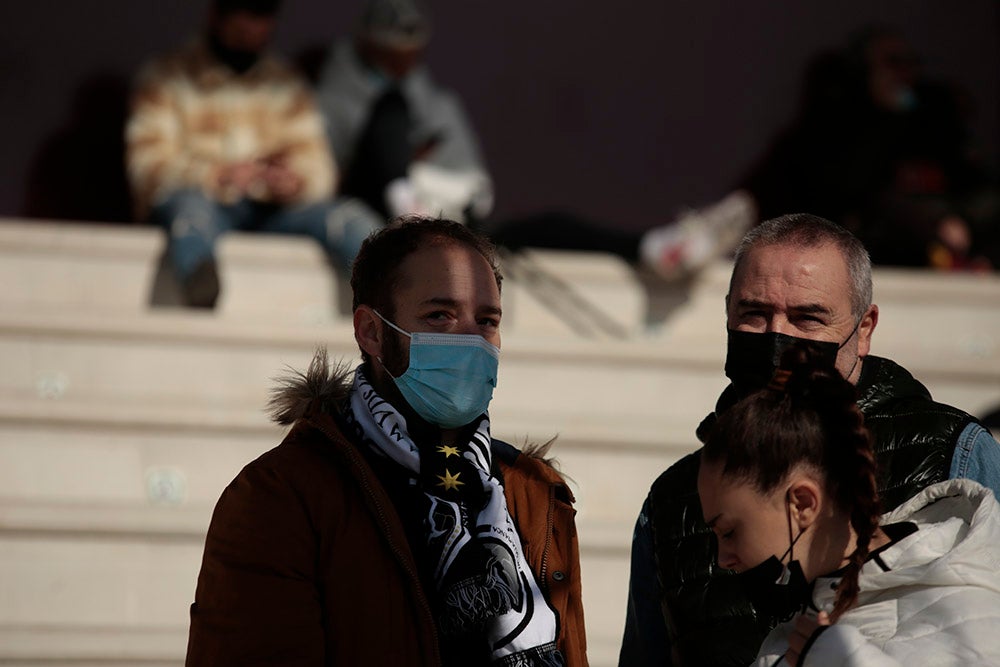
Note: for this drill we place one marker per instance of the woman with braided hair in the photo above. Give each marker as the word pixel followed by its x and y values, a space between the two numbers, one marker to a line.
pixel 789 470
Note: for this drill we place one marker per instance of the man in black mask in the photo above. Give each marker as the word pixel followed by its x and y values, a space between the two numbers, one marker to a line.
pixel 222 136
pixel 795 277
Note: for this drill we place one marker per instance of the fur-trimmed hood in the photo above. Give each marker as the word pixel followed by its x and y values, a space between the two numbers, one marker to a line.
pixel 324 388
pixel 321 388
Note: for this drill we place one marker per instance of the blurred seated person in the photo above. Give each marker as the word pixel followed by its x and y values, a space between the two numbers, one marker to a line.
pixel 886 153
pixel 405 144
pixel 881 150
pixel 224 136
pixel 407 147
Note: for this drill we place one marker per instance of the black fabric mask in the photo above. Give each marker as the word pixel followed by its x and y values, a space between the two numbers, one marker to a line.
pixel 776 592
pixel 752 358
pixel 237 60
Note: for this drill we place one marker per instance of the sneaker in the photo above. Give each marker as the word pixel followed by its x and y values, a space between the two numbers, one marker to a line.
pixel 402 199
pixel 696 238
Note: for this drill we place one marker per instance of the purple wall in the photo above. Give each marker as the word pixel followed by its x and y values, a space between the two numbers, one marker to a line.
pixel 624 112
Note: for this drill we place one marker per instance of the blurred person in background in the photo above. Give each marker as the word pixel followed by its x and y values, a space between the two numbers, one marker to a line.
pixel 405 143
pixel 222 135
pixel 407 146
pixel 881 149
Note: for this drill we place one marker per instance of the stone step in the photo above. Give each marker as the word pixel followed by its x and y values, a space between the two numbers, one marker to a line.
pixel 120 423
pixel 176 359
pixel 92 646
pixel 105 270
pixel 139 361
pixel 120 594
pixel 70 458
pixel 109 506
pixel 89 268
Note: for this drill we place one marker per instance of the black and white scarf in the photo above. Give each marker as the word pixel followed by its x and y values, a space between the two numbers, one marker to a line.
pixel 484 583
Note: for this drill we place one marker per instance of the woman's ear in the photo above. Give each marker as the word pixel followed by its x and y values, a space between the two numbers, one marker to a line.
pixel 368 331
pixel 805 500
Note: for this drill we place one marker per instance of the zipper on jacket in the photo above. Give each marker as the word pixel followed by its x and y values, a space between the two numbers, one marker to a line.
pixel 544 569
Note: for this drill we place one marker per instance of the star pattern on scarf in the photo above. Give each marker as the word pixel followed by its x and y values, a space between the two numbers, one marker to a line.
pixel 448 451
pixel 449 481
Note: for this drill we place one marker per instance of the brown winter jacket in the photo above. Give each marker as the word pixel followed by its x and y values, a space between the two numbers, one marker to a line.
pixel 307 563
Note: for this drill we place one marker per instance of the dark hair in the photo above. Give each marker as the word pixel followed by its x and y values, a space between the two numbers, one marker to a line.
pixel 375 273
pixel 803 230
pixel 807 416
pixel 259 7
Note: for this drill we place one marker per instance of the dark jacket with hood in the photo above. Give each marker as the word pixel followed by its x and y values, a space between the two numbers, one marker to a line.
pixel 307 562
pixel 709 619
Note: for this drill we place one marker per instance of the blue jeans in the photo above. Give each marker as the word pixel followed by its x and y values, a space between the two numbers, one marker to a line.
pixel 194 222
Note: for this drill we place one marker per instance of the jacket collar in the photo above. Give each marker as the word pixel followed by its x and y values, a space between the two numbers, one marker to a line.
pixel 323 388
pixel 883 380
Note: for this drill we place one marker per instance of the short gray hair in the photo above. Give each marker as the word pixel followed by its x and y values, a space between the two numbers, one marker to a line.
pixel 803 230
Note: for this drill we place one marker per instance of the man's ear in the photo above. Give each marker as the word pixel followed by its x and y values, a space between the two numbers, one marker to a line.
pixel 865 329
pixel 804 500
pixel 368 331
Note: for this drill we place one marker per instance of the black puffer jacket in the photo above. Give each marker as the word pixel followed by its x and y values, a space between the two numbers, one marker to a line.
pixel 709 620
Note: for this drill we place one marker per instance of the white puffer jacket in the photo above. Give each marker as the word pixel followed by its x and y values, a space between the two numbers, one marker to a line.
pixel 938 603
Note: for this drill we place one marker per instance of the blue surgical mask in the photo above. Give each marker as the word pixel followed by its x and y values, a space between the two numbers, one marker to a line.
pixel 451 377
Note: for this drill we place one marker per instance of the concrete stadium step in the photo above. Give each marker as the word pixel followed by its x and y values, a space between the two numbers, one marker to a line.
pixel 123 435
pixel 72 483
pixel 115 269
pixel 93 458
pixel 104 269
pixel 105 525
pixel 120 423
pixel 112 269
pixel 180 358
pixel 124 599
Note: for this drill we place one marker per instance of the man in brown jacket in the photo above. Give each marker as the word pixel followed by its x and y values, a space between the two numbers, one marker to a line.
pixel 389 528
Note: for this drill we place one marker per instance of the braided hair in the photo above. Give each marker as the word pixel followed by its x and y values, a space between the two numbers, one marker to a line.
pixel 807 417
